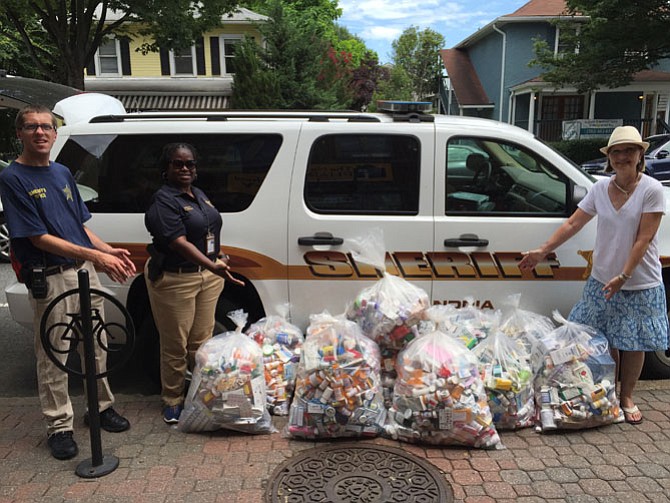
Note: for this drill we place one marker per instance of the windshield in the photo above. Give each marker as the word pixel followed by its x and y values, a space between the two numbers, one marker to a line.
pixel 657 142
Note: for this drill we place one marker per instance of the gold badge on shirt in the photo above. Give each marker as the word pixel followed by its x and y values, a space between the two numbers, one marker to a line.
pixel 68 193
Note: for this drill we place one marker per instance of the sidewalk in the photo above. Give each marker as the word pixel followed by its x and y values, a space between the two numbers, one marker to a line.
pixel 617 463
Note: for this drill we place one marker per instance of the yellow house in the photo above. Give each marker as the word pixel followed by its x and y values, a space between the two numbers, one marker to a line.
pixel 198 78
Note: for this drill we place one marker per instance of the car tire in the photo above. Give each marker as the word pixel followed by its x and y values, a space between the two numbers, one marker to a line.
pixel 657 365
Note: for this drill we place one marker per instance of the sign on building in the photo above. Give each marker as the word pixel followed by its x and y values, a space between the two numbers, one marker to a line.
pixel 589 128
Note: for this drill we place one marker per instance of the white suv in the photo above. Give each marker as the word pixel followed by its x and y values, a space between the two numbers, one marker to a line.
pixel 459 199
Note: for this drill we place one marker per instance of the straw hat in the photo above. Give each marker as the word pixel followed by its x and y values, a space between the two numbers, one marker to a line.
pixel 625 134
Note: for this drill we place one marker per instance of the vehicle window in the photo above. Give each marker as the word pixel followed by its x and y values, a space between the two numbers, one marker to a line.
pixel 123 169
pixel 489 176
pixel 364 174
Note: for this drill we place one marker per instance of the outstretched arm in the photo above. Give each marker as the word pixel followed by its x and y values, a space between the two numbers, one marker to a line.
pixel 569 228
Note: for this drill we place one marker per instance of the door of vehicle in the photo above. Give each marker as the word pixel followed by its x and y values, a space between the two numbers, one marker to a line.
pixel 348 179
pixel 500 200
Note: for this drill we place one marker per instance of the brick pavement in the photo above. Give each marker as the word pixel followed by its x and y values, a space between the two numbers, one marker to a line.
pixel 617 463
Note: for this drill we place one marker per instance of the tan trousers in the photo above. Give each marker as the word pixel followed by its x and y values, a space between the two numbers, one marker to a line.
pixel 52 382
pixel 183 306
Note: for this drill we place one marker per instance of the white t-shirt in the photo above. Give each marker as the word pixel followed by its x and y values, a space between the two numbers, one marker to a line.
pixel 616 232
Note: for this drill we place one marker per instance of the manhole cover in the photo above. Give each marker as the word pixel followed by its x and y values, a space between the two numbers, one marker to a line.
pixel 357 473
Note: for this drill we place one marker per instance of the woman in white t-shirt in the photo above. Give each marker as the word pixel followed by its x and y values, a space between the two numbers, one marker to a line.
pixel 624 297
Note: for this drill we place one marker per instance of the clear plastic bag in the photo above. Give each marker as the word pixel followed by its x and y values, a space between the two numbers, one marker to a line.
pixel 527 326
pixel 439 397
pixel 575 386
pixel 337 391
pixel 228 387
pixel 281 343
pixel 388 310
pixel 504 365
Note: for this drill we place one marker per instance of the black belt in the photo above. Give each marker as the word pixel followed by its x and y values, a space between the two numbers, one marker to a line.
pixel 185 269
pixel 57 269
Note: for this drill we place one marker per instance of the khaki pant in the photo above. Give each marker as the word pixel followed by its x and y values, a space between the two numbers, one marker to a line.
pixel 52 382
pixel 183 306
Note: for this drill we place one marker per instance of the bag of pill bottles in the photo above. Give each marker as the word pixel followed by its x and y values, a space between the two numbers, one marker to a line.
pixel 227 390
pixel 575 385
pixel 439 397
pixel 281 343
pixel 527 326
pixel 337 391
pixel 504 366
pixel 467 322
pixel 388 310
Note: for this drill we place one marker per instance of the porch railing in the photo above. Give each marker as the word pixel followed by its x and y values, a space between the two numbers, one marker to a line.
pixel 552 129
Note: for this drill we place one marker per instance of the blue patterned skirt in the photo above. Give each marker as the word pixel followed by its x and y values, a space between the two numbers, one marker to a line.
pixel 632 320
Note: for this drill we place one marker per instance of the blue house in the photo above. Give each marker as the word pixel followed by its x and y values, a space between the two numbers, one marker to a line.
pixel 487 75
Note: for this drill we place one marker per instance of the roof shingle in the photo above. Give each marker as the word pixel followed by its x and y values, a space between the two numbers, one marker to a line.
pixel 541 8
pixel 464 79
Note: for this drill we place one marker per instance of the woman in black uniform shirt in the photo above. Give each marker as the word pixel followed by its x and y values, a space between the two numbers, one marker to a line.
pixel 185 273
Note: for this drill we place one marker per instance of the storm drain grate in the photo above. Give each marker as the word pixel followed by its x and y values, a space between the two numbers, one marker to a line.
pixel 357 473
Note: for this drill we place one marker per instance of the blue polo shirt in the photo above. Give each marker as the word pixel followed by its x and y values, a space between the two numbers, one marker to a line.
pixel 174 213
pixel 40 200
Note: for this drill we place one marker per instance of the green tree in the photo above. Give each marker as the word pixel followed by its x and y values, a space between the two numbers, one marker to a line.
pixel 14 58
pixel 618 39
pixel 418 54
pixel 394 84
pixel 296 68
pixel 254 86
pixel 76 28
pixel 344 41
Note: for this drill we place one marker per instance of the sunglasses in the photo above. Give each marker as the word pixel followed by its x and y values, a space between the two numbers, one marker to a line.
pixel 178 163
pixel 47 128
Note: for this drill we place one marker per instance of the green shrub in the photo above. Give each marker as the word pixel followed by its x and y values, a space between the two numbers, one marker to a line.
pixel 580 150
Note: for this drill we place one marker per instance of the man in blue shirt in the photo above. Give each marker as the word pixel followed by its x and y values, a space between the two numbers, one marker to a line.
pixel 45 216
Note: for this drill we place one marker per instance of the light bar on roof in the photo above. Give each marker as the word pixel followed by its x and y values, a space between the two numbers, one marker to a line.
pixel 404 106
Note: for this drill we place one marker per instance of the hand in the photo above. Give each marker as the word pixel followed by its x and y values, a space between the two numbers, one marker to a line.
pixel 531 258
pixel 223 269
pixel 124 255
pixel 613 286
pixel 118 268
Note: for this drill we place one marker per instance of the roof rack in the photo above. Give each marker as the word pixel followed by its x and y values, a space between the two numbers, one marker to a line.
pixel 315 116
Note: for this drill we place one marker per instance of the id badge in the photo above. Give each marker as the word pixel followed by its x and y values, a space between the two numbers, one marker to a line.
pixel 210 243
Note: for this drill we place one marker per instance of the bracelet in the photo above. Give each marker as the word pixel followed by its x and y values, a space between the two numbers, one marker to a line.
pixel 624 277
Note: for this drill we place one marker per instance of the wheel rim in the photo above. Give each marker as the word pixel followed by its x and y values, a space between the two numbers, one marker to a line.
pixel 4 241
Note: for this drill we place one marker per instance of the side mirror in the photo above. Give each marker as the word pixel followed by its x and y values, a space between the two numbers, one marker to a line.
pixel 662 154
pixel 578 193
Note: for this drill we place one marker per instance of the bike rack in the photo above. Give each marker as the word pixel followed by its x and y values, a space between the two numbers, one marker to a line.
pixel 81 328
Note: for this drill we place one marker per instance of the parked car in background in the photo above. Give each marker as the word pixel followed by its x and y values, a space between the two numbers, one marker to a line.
pixel 657 159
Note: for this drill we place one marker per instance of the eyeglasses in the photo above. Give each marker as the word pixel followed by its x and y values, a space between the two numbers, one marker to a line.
pixel 178 163
pixel 31 128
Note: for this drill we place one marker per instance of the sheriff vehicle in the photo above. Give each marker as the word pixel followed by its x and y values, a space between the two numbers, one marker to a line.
pixel 459 200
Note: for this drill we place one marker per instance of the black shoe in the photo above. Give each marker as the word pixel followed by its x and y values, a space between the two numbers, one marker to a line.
pixel 62 445
pixel 110 420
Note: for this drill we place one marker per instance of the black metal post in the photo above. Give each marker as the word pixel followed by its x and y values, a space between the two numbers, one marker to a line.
pixel 98 465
